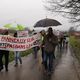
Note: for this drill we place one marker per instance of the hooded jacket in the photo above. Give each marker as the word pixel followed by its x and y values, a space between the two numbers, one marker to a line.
pixel 50 43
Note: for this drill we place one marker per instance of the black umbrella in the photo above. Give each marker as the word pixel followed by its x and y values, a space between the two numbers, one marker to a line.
pixel 47 22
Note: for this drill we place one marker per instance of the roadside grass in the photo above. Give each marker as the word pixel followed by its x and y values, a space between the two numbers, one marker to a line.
pixel 75 44
pixel 23 53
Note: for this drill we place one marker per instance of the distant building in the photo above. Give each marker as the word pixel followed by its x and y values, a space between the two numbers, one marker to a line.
pixel 76 34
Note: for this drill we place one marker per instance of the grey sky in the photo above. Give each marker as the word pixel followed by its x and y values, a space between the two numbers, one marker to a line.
pixel 26 12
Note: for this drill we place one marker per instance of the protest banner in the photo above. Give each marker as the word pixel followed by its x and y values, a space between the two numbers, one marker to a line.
pixel 18 44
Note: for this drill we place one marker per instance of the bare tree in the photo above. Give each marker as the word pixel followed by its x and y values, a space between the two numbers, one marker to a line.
pixel 71 29
pixel 67 8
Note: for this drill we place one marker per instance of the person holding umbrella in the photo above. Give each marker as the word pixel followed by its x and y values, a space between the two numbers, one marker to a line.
pixel 50 41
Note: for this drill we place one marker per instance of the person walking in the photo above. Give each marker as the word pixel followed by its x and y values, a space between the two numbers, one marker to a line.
pixel 35 48
pixel 17 54
pixel 50 41
pixel 66 42
pixel 43 33
pixel 5 54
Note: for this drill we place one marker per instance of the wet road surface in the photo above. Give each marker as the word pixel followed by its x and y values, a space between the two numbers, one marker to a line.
pixel 32 69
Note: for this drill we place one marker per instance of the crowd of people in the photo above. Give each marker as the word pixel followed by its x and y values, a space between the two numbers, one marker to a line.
pixel 49 41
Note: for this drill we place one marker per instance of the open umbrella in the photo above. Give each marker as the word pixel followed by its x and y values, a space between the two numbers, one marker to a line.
pixel 14 26
pixel 47 22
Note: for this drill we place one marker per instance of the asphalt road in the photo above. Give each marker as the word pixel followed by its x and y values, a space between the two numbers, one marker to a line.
pixel 32 69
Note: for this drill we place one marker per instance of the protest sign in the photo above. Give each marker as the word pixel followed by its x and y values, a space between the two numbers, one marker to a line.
pixel 22 33
pixel 18 44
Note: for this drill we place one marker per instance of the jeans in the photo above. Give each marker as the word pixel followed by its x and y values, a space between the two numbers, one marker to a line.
pixel 43 54
pixel 35 51
pixel 49 56
pixel 17 57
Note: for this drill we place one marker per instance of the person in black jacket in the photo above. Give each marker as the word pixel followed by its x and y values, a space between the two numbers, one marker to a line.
pixel 4 53
pixel 50 41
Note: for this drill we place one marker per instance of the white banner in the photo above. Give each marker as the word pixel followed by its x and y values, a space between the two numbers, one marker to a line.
pixel 18 44
pixel 22 33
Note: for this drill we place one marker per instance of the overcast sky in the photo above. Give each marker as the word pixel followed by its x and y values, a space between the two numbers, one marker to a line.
pixel 26 12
